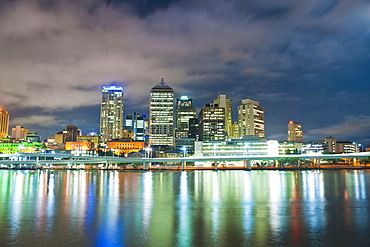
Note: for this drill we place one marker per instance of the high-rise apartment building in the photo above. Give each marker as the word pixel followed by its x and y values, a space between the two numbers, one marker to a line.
pixel 251 118
pixel 161 119
pixel 19 132
pixel 4 123
pixel 212 123
pixel 137 124
pixel 223 101
pixel 184 112
pixel 295 133
pixel 111 112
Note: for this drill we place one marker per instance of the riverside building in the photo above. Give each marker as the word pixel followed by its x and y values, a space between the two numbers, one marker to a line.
pixel 111 112
pixel 223 101
pixel 137 123
pixel 295 133
pixel 19 132
pixel 212 123
pixel 251 118
pixel 161 119
pixel 184 112
pixel 4 123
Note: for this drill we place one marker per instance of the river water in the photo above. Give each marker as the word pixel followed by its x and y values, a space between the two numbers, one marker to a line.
pixel 174 208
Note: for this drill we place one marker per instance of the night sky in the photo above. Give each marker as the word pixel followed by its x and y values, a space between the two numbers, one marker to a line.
pixel 307 61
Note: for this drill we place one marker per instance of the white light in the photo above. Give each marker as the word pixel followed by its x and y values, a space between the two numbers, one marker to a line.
pixel 112 87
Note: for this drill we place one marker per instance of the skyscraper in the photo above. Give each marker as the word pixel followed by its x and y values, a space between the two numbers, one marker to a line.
pixel 161 120
pixel 111 113
pixel 137 123
pixel 4 123
pixel 184 112
pixel 212 123
pixel 251 118
pixel 223 101
pixel 295 133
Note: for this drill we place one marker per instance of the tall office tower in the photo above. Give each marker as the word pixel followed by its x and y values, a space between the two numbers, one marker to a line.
pixel 161 120
pixel 295 133
pixel 194 128
pixel 4 123
pixel 251 118
pixel 223 101
pixel 184 112
pixel 111 112
pixel 137 124
pixel 19 132
pixel 212 123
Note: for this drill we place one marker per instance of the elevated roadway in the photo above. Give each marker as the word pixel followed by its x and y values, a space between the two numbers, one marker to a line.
pixel 42 159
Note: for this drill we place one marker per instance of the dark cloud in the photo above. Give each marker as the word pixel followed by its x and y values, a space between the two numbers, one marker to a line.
pixel 302 60
pixel 142 8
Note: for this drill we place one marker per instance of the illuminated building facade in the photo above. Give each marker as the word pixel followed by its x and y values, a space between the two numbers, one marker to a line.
pixel 194 128
pixel 70 133
pixel 184 112
pixel 4 123
pixel 347 147
pixel 137 123
pixel 78 147
pixel 236 148
pixel 251 118
pixel 33 137
pixel 95 139
pixel 295 133
pixel 185 146
pixel 122 148
pixel 8 146
pixel 223 101
pixel 307 147
pixel 161 120
pixel 111 112
pixel 19 133
pixel 330 144
pixel 212 123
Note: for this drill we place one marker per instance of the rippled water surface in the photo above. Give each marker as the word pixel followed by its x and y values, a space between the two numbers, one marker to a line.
pixel 197 208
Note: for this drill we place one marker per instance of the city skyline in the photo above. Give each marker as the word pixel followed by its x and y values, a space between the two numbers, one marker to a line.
pixel 303 61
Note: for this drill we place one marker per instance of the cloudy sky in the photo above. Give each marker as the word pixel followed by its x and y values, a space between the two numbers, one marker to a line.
pixel 307 61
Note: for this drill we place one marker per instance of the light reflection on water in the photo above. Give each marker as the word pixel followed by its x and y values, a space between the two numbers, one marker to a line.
pixel 199 208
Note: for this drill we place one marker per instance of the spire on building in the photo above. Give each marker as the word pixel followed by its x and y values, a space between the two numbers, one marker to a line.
pixel 162 85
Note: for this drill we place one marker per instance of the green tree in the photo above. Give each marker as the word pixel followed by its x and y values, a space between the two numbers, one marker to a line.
pixel 364 161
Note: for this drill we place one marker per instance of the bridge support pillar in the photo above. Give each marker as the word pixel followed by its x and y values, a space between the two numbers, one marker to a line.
pixel 216 165
pixel 318 163
pixel 37 162
pixel 70 163
pixel 354 161
pixel 247 164
pixel 145 166
pixel 183 167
